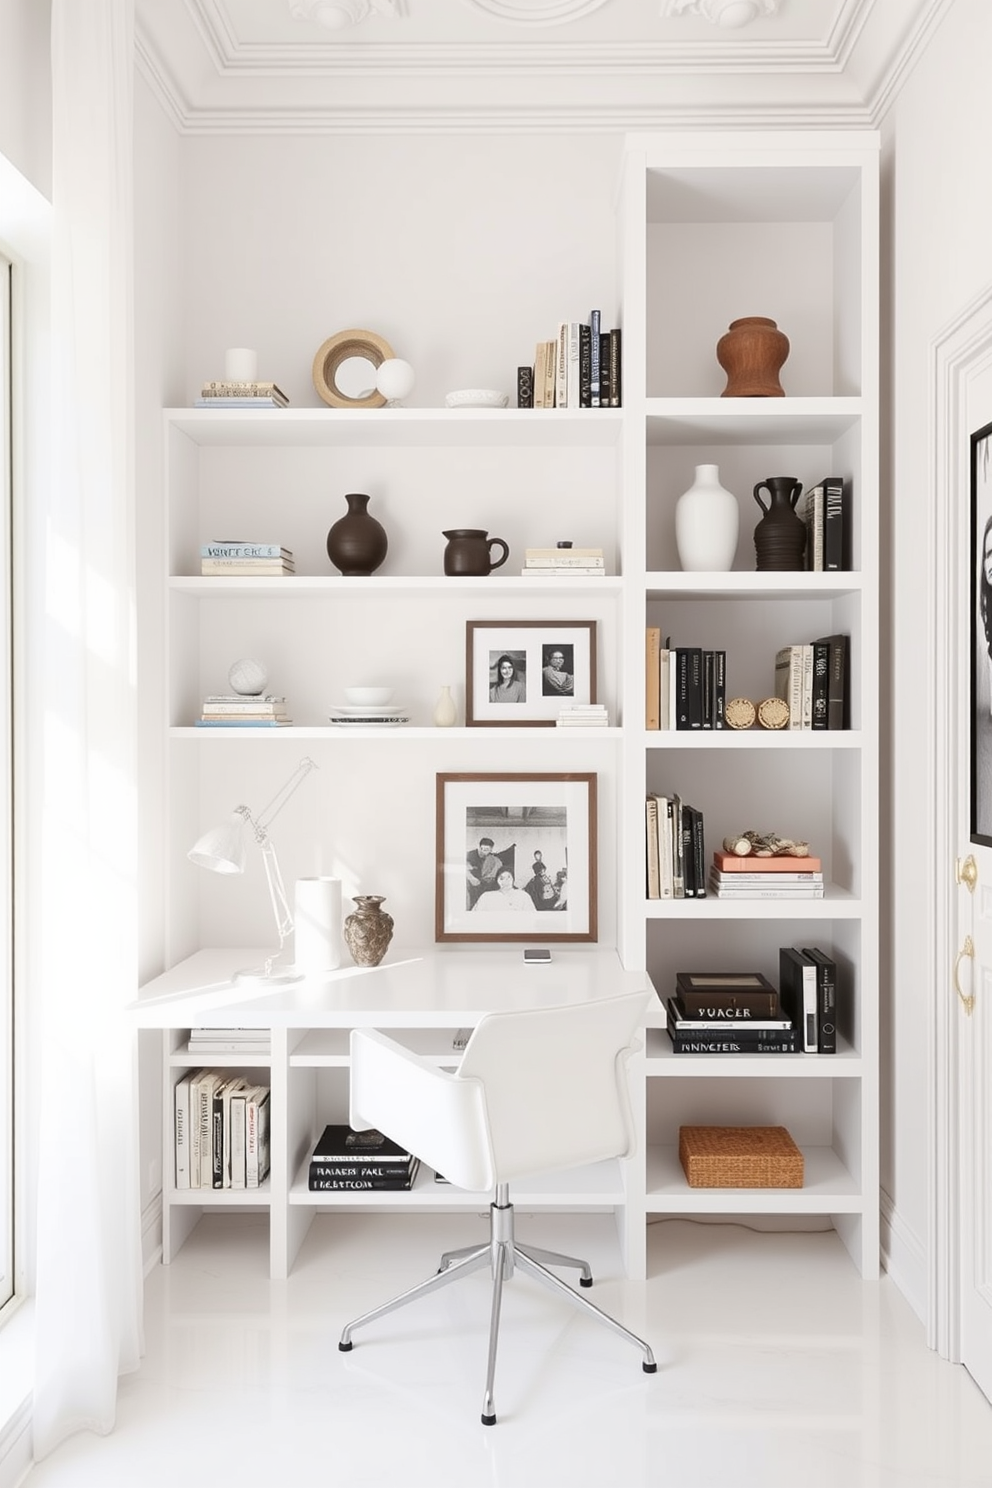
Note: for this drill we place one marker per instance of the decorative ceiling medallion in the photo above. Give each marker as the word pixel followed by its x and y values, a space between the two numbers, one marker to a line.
pixel 537 12
pixel 730 14
pixel 337 15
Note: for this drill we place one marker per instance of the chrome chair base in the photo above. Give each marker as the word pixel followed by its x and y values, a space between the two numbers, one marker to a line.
pixel 504 1255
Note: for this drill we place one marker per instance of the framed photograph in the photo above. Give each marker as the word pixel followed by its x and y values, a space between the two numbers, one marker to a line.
pixel 981 636
pixel 519 673
pixel 515 858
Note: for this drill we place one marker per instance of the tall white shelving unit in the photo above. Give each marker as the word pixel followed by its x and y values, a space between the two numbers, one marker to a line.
pixel 715 227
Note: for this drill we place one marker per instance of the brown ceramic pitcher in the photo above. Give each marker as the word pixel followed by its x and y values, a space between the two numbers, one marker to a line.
pixel 469 552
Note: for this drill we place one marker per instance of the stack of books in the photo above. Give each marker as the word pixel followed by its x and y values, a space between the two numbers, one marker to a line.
pixel 728 1013
pixel 563 563
pixel 241 395
pixel 583 715
pixel 228 1041
pixel 812 678
pixel 754 877
pixel 344 1159
pixel 235 710
pixel 808 990
pixel 580 368
pixel 221 1130
pixel 233 559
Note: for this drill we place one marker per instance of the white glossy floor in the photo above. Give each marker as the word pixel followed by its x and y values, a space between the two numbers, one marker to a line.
pixel 777 1367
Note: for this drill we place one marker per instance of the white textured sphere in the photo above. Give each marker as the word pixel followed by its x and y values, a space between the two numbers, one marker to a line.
pixel 248 677
pixel 395 378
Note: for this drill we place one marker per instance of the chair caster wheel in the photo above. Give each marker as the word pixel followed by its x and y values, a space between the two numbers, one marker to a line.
pixel 585 1281
pixel 489 1420
pixel 650 1368
pixel 346 1348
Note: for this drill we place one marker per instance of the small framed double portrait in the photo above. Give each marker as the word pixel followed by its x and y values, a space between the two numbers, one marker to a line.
pixel 520 673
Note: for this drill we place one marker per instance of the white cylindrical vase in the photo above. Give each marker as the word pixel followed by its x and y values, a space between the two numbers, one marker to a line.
pixel 707 524
pixel 240 364
pixel 317 924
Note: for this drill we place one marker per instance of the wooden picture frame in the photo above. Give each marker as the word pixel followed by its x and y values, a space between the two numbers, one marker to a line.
pixel 515 858
pixel 520 673
pixel 981 637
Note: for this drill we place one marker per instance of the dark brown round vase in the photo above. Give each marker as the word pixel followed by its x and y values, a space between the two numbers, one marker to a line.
pixel 752 353
pixel 780 536
pixel 368 930
pixel 357 543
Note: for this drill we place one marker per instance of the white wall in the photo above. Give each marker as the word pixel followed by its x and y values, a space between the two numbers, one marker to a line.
pixel 938 206
pixel 26 89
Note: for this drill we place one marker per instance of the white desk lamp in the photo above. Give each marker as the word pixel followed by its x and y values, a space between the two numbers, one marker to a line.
pixel 222 850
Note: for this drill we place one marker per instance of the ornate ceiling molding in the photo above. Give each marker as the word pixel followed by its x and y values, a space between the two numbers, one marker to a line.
pixel 537 12
pixel 729 13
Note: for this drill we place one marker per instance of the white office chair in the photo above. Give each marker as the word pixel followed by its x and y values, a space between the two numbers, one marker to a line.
pixel 536 1091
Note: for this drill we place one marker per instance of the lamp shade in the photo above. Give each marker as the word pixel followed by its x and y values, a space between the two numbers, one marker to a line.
pixel 222 848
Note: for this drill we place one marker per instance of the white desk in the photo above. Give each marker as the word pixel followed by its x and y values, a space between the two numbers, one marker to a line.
pixel 424 996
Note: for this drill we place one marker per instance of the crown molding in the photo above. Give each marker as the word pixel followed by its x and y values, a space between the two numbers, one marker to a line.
pixel 210 83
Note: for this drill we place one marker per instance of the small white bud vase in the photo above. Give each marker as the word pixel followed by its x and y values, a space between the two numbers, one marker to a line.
pixel 444 709
pixel 707 523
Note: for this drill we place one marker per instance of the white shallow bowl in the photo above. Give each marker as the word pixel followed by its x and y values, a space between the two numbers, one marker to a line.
pixel 368 697
pixel 476 398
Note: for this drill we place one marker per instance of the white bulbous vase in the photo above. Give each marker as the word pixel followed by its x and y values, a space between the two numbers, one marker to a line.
pixel 707 524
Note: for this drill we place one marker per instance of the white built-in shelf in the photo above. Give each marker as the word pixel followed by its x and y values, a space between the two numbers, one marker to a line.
pixel 753 738
pixel 663 1062
pixel 828 1188
pixel 749 584
pixel 299 586
pixel 837 904
pixel 585 1187
pixel 532 737
pixel 718 421
pixel 280 428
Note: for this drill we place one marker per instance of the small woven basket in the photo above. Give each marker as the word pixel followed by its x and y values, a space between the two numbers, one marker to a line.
pixel 740 1157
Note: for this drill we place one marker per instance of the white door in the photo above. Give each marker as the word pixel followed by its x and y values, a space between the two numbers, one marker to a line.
pixel 972 978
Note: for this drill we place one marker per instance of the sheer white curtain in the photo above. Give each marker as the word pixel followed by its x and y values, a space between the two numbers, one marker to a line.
pixel 81 656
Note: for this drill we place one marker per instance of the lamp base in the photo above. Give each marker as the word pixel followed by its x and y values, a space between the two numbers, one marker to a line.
pixel 260 976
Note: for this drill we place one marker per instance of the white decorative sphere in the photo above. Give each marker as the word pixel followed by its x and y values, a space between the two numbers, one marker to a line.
pixel 395 379
pixel 248 677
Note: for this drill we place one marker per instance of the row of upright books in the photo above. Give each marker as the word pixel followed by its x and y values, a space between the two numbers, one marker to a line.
pixel 675 849
pixel 685 686
pixel 744 1013
pixel 225 394
pixel 233 559
pixel 579 368
pixel 346 1160
pixel 221 1130
pixel 827 513
pixel 813 679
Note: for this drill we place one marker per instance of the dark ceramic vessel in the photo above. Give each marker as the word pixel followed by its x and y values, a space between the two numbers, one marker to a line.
pixel 780 536
pixel 469 552
pixel 357 543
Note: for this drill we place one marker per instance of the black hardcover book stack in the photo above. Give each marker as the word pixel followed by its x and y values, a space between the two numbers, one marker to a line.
pixel 728 1013
pixel 344 1160
pixel 525 387
pixel 809 994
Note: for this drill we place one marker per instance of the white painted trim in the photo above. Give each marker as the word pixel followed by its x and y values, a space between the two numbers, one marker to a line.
pixel 904 1257
pixel 958 352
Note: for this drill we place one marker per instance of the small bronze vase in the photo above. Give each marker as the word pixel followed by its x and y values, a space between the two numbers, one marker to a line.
pixel 752 353
pixel 368 930
pixel 357 543
pixel 780 536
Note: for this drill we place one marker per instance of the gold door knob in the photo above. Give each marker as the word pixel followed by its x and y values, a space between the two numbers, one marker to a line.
pixel 967 872
pixel 967 950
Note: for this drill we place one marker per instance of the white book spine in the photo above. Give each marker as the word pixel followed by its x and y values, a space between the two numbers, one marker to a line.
pixel 182 1132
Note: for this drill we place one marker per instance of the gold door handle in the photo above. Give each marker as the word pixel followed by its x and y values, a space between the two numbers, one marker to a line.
pixel 968 949
pixel 967 872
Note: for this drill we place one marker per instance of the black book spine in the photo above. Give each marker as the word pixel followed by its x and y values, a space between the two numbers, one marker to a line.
pixel 698 852
pixel 819 717
pixel 719 689
pixel 695 687
pixel 585 366
pixel 688 857
pixel 826 1000
pixel 708 659
pixel 838 684
pixel 764 1041
pixel 836 525
pixel 616 362
pixel 345 1185
pixel 525 387
pixel 595 368
pixel 681 658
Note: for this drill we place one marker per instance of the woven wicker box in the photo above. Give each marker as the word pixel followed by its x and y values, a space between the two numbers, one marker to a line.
pixel 740 1157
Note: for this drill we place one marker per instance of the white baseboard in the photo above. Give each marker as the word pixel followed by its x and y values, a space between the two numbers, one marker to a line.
pixel 151 1237
pixel 904 1258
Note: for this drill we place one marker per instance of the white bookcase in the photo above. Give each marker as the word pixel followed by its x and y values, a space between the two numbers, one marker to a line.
pixel 712 227
pixel 716 227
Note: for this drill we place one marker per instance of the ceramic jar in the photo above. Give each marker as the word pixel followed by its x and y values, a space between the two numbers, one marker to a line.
pixel 469 552
pixel 368 930
pixel 752 353
pixel 707 523
pixel 444 709
pixel 780 536
pixel 357 543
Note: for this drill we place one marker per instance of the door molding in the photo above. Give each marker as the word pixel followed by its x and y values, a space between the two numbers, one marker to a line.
pixel 959 353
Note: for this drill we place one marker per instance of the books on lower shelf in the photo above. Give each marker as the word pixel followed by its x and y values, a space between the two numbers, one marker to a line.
pixel 742 1013
pixel 221 1130
pixel 563 563
pixel 239 711
pixel 346 1160
pixel 674 848
pixel 685 687
pixel 827 513
pixel 754 877
pixel 240 392
pixel 229 1041
pixel 220 400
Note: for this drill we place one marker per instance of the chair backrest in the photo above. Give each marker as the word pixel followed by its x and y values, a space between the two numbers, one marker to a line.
pixel 536 1090
pixel 555 1083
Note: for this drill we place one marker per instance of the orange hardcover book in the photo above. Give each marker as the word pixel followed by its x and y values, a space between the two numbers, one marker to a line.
pixel 728 863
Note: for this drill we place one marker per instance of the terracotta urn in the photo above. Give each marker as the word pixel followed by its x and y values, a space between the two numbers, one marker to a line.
pixel 357 543
pixel 752 353
pixel 368 930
